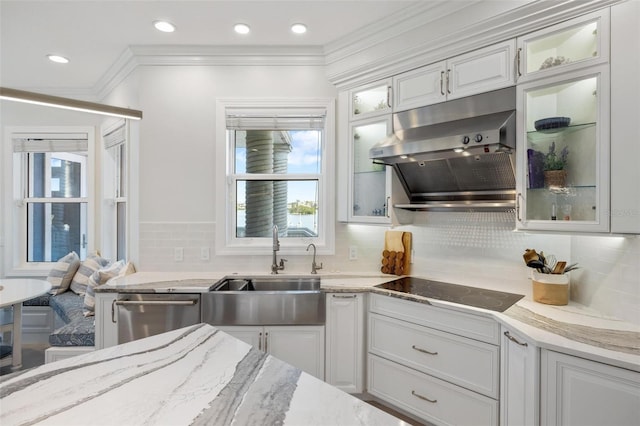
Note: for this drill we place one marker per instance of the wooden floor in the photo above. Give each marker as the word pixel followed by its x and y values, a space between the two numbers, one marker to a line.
pixel 32 356
pixel 393 412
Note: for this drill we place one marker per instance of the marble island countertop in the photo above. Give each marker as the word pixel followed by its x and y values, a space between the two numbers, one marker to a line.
pixel 573 329
pixel 192 376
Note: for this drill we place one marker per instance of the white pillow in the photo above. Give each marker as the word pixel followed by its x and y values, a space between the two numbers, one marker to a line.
pixel 100 277
pixel 62 272
pixel 88 266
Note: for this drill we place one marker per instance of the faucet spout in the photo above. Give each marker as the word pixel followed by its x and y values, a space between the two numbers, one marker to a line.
pixel 314 265
pixel 275 267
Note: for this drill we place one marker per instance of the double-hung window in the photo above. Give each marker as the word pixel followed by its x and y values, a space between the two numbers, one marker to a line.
pixel 277 174
pixel 115 188
pixel 51 205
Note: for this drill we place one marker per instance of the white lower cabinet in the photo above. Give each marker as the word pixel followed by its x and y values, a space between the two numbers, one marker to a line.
pixel 345 341
pixel 419 365
pixel 106 330
pixel 301 346
pixel 37 324
pixel 519 380
pixel 580 392
pixel 427 397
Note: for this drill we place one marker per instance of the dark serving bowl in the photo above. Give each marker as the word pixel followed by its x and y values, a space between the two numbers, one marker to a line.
pixel 552 123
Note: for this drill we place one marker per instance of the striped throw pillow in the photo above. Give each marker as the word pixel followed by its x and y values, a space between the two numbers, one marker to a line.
pixel 100 277
pixel 62 272
pixel 88 266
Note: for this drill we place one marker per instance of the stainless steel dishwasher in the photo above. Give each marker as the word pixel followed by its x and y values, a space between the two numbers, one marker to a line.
pixel 143 315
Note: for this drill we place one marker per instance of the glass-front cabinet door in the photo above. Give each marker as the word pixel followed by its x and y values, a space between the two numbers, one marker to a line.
pixel 563 152
pixel 371 100
pixel 573 44
pixel 370 183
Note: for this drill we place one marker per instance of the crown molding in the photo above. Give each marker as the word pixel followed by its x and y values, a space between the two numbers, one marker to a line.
pixel 206 55
pixel 365 61
pixel 391 27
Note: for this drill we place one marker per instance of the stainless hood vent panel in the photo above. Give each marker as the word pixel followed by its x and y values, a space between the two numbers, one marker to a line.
pixel 455 155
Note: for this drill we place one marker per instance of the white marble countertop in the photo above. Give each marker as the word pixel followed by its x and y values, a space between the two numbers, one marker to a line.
pixel 17 290
pixel 191 376
pixel 572 329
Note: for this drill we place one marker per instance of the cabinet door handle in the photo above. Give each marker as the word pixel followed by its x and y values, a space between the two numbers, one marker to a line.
pixel 448 80
pixel 514 340
pixel 266 341
pixel 424 398
pixel 518 54
pixel 352 296
pixel 387 207
pixel 113 311
pixel 424 351
pixel 260 341
pixel 518 207
pixel 442 83
pixel 389 93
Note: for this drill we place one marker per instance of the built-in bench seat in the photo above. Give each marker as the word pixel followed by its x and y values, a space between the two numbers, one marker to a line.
pixel 72 327
pixel 38 301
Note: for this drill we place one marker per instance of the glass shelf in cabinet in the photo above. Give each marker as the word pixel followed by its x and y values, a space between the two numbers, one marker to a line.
pixel 535 135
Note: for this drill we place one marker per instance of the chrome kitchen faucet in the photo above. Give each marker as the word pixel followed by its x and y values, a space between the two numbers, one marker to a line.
pixel 276 246
pixel 314 266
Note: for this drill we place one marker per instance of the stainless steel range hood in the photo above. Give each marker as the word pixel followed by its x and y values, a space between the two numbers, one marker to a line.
pixel 456 155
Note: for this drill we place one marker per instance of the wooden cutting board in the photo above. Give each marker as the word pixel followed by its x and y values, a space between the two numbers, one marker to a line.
pixel 396 256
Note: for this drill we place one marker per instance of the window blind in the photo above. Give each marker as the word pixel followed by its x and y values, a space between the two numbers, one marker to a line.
pixel 275 119
pixel 42 142
pixel 116 136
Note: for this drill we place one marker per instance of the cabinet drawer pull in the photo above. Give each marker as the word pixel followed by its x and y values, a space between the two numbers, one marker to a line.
pixel 424 351
pixel 424 398
pixel 337 296
pixel 513 339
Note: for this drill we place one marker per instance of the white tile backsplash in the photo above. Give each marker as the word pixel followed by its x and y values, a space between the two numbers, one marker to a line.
pixel 462 248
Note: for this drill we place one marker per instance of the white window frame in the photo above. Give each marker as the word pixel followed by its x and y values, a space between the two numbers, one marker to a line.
pixel 112 174
pixel 15 208
pixel 226 241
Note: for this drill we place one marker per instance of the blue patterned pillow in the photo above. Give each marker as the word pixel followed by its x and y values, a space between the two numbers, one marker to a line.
pixel 62 272
pixel 88 266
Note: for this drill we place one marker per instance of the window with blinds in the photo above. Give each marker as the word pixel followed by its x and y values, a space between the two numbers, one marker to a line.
pixel 276 170
pixel 54 191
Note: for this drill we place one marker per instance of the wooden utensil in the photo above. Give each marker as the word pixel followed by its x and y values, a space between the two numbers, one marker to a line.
pixel 559 268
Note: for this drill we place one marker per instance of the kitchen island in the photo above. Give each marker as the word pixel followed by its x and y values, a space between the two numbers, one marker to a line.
pixel 194 375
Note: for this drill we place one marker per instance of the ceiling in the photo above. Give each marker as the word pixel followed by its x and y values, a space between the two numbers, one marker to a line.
pixel 93 34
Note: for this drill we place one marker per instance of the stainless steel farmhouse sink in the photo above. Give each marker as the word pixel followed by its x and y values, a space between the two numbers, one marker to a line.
pixel 272 300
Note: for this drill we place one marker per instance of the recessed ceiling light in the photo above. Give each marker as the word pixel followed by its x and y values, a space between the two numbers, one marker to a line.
pixel 241 28
pixel 164 26
pixel 299 28
pixel 58 59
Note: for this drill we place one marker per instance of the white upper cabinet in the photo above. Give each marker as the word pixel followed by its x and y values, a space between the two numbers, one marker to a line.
pixel 482 70
pixel 420 87
pixel 577 43
pixel 563 152
pixel 370 100
pixel 625 110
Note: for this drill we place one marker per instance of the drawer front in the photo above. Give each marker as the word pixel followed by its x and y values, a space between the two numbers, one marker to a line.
pixel 461 323
pixel 471 364
pixel 37 319
pixel 427 397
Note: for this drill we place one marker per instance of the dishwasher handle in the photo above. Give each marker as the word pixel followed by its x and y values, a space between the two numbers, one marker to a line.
pixel 156 302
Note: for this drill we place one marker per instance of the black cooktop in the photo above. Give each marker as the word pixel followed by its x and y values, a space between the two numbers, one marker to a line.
pixel 480 298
